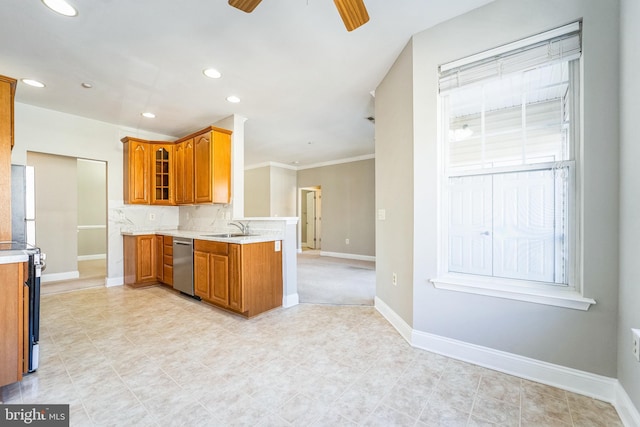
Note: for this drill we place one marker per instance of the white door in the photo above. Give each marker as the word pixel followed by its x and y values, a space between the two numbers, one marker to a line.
pixel 311 219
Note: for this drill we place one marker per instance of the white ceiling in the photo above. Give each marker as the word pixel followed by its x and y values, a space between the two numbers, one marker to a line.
pixel 304 81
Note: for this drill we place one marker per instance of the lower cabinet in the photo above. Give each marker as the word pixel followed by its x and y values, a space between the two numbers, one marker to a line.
pixel 166 263
pixel 14 318
pixel 148 259
pixel 246 279
pixel 139 259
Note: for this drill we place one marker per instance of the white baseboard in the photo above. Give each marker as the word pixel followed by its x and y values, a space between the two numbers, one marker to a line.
pixel 290 300
pixel 626 410
pixel 581 382
pixel 113 281
pixel 396 321
pixel 55 277
pixel 91 257
pixel 348 256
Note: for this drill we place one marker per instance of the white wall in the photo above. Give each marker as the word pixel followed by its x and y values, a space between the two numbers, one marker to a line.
pixel 628 368
pixel 48 131
pixel 577 339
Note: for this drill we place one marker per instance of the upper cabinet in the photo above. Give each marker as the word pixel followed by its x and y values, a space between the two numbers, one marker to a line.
pixel 213 166
pixel 194 169
pixel 137 160
pixel 184 172
pixel 203 169
pixel 7 94
pixel 162 187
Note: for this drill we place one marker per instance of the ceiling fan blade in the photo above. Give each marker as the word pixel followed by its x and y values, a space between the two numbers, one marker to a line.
pixel 352 12
pixel 245 5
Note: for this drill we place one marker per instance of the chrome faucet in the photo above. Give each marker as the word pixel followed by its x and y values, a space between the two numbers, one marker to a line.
pixel 244 228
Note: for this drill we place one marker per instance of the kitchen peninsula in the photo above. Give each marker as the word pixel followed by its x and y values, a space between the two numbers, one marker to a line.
pixel 239 273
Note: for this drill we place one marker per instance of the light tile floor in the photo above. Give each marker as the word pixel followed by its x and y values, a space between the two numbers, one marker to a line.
pixel 150 357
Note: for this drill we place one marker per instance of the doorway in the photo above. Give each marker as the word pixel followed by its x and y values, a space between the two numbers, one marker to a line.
pixel 71 220
pixel 311 218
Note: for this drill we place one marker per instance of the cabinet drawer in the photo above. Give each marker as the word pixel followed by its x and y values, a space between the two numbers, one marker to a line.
pixel 168 241
pixel 218 248
pixel 167 259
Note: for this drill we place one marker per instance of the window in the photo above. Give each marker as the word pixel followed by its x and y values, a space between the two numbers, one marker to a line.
pixel 509 144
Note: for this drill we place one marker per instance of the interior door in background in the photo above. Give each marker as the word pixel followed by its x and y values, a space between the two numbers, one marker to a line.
pixel 311 219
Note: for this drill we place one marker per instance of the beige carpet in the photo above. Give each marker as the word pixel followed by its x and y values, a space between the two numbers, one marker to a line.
pixel 328 280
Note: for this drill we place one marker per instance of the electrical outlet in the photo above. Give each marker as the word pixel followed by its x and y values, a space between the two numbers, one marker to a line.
pixel 636 343
pixel 394 279
pixel 346 241
pixel 152 217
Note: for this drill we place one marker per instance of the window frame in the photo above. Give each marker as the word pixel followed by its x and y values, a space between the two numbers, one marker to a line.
pixel 567 296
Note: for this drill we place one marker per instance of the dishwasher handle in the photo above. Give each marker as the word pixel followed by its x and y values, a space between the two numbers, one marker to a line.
pixel 183 243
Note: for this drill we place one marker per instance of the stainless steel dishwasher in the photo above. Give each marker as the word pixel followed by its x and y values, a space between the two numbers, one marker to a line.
pixel 183 265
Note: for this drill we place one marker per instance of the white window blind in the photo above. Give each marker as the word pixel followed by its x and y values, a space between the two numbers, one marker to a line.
pixel 560 45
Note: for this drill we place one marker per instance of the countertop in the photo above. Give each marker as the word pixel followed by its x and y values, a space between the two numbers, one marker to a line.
pixel 13 256
pixel 208 235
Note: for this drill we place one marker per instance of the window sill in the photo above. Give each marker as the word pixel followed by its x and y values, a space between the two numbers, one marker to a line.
pixel 567 298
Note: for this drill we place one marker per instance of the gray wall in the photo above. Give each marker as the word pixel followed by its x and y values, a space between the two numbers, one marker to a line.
pixel 628 368
pixel 269 191
pixel 283 192
pixel 578 339
pixel 394 189
pixel 92 208
pixel 257 192
pixel 56 210
pixel 348 205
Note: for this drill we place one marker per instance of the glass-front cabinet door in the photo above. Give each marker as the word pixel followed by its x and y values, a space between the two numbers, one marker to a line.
pixel 162 192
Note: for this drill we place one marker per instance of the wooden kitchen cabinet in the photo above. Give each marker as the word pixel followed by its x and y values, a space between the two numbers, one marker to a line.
pixel 184 172
pixel 7 94
pixel 212 169
pixel 14 315
pixel 193 169
pixel 211 271
pixel 167 260
pixel 246 279
pixel 159 257
pixel 137 163
pixel 140 259
pixel 162 179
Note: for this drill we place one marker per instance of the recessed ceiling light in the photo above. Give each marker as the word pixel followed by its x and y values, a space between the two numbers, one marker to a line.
pixel 149 115
pixel 61 7
pixel 212 73
pixel 32 82
pixel 86 85
pixel 233 99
